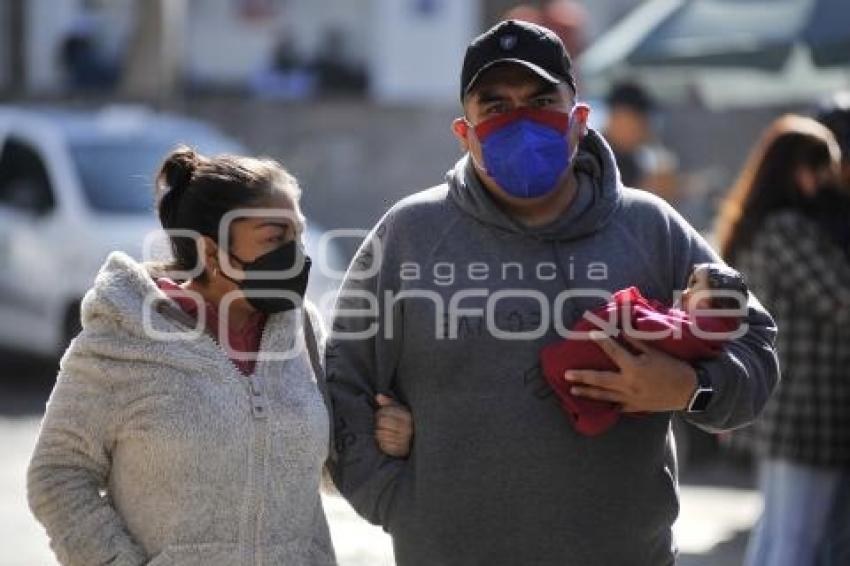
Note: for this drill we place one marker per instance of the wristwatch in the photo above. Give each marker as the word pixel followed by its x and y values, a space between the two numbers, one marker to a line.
pixel 703 393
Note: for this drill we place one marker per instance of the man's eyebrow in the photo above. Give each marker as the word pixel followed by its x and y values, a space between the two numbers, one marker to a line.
pixel 486 95
pixel 546 88
pixel 283 224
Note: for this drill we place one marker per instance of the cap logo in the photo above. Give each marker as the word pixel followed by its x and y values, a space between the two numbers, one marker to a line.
pixel 507 42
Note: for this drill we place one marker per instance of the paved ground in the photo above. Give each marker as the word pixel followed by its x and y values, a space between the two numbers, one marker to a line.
pixel 718 503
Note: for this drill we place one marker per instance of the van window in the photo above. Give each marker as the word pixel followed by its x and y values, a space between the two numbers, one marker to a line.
pixel 24 182
pixel 116 172
pixel 117 176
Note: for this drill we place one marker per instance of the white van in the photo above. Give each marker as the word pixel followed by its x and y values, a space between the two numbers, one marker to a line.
pixel 75 186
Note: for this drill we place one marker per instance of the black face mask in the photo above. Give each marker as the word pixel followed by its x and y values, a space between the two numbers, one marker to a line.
pixel 278 260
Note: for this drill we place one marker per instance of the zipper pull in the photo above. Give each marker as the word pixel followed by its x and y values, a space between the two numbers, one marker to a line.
pixel 259 406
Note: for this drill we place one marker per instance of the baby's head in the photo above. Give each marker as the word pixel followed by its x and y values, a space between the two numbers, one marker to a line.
pixel 708 277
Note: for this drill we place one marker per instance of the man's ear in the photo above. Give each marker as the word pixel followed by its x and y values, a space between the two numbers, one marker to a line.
pixel 460 129
pixel 582 115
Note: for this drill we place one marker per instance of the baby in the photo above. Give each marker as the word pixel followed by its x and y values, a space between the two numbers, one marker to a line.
pixel 688 330
pixel 708 277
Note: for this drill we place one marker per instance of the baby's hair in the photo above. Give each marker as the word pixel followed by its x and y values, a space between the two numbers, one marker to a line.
pixel 722 277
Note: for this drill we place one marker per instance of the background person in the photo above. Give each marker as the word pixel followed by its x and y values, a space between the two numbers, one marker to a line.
pixel 781 225
pixel 835 115
pixel 643 162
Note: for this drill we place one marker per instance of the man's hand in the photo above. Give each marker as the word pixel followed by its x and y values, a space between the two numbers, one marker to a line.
pixel 651 381
pixel 393 427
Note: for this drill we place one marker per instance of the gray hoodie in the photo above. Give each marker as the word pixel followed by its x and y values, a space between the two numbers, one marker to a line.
pixel 161 452
pixel 497 475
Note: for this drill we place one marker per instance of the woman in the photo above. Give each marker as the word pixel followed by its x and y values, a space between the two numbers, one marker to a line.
pixel 785 226
pixel 164 443
pixel 834 113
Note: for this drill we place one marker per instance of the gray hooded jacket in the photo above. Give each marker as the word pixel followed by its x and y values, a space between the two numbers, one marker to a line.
pixel 497 475
pixel 161 452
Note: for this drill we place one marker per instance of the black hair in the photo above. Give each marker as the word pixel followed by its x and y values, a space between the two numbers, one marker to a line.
pixel 834 113
pixel 630 95
pixel 194 192
pixel 768 182
pixel 722 277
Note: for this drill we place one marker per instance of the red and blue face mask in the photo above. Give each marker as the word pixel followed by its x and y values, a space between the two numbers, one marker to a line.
pixel 526 150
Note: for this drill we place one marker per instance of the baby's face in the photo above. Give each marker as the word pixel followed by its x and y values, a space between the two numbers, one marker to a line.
pixel 697 296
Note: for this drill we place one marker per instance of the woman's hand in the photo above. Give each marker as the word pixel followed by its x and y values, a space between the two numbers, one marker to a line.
pixel 393 427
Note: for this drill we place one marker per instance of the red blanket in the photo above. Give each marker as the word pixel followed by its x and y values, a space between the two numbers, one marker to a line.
pixel 675 332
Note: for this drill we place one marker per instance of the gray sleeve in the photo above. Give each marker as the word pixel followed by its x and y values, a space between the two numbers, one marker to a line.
pixel 67 475
pixel 361 361
pixel 745 375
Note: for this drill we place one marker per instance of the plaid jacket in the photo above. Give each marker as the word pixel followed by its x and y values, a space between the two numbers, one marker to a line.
pixel 803 278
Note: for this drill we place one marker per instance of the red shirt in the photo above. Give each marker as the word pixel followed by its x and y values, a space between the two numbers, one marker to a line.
pixel 244 339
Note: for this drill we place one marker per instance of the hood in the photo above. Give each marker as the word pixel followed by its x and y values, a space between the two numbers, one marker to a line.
pixel 598 198
pixel 122 308
pixel 123 288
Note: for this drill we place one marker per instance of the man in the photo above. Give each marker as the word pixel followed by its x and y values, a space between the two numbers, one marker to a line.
pixel 643 162
pixel 450 299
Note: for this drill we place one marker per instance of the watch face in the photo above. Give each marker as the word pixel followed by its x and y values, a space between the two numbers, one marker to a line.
pixel 701 400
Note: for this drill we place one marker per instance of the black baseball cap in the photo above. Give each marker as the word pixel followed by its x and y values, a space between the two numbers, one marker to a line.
pixel 523 43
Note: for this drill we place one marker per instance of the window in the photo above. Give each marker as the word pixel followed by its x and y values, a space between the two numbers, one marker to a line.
pixel 24 183
pixel 117 176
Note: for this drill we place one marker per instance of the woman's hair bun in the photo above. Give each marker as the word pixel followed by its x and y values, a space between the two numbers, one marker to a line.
pixel 174 177
pixel 177 169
